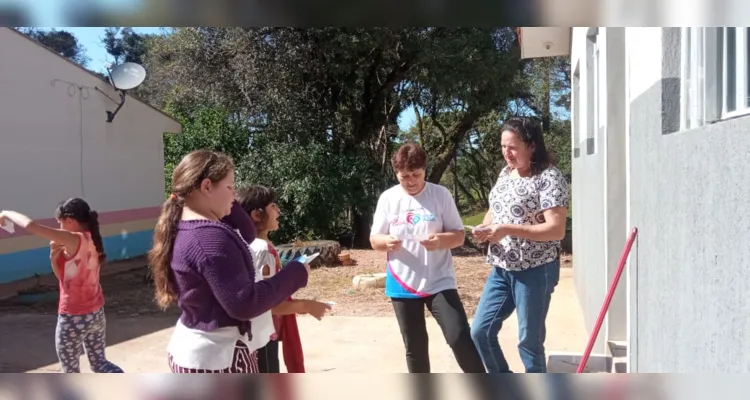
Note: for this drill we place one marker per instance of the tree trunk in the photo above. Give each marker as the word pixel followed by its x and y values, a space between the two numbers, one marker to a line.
pixel 361 226
pixel 450 144
pixel 455 180
pixel 472 201
pixel 546 101
pixel 439 167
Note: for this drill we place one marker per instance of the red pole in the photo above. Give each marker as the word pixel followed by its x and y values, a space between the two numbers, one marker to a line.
pixel 607 300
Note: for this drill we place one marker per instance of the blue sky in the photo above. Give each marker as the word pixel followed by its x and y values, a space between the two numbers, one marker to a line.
pixel 91 39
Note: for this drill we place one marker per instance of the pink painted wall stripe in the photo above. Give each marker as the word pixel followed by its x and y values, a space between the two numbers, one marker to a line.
pixel 112 217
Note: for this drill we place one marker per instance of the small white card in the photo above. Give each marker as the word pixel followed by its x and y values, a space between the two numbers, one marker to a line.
pixel 414 237
pixel 475 229
pixel 9 227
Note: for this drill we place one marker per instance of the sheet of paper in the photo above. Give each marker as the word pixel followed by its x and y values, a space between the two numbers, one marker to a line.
pixel 9 227
pixel 414 238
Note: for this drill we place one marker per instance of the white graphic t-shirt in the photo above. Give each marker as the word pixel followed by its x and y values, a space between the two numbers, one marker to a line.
pixel 519 200
pixel 412 271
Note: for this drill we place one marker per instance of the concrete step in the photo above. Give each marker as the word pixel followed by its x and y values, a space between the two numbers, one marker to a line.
pixel 620 365
pixel 559 362
pixel 619 350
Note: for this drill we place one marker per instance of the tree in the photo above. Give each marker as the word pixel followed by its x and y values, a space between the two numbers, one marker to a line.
pixel 62 42
pixel 473 76
pixel 125 45
pixel 328 100
pixel 546 89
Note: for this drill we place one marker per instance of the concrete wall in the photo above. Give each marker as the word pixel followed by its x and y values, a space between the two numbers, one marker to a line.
pixel 57 144
pixel 615 180
pixel 689 302
pixel 587 185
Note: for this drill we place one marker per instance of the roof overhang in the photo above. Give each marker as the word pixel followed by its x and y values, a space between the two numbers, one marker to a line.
pixel 544 42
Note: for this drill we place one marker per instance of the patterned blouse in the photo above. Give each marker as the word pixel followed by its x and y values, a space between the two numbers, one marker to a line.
pixel 523 200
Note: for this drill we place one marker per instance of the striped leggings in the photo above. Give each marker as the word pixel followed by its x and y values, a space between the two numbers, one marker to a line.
pixel 243 362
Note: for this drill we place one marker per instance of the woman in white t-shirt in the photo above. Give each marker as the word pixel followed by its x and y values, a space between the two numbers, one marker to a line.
pixel 524 226
pixel 417 224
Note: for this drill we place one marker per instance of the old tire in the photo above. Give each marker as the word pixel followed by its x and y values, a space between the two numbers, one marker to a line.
pixel 329 251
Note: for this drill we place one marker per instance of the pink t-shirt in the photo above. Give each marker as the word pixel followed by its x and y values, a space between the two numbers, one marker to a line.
pixel 80 291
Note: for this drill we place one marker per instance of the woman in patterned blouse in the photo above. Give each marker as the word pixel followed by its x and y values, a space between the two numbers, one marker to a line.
pixel 523 226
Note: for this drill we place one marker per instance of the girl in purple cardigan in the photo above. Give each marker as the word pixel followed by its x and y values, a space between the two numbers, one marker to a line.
pixel 202 264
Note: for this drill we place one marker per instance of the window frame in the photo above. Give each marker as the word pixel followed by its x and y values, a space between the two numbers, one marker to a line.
pixel 704 76
pixel 740 65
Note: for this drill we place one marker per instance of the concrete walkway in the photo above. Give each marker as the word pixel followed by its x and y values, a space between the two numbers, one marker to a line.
pixel 336 345
pixel 333 345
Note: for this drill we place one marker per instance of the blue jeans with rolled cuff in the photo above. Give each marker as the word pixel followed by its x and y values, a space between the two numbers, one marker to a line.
pixel 526 292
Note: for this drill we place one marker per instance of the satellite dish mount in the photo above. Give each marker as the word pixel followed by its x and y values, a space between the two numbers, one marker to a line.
pixel 124 77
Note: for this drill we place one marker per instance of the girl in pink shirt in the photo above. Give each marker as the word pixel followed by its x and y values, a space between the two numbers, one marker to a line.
pixel 76 255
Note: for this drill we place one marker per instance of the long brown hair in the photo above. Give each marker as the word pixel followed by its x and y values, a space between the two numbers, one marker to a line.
pixel 187 177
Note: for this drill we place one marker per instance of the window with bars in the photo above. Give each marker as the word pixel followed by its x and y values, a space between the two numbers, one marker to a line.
pixel 715 75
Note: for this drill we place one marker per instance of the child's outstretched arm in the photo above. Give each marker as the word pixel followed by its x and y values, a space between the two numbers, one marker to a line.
pixel 312 307
pixel 69 240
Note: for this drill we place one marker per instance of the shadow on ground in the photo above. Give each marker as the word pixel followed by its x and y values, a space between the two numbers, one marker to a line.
pixel 27 337
pixel 27 341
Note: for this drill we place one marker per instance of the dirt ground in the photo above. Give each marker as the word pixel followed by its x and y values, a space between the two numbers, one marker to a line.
pixel 129 296
pixel 138 332
pixel 335 284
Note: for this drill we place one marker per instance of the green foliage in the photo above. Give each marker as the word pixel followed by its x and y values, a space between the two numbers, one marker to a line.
pixel 203 128
pixel 125 45
pixel 557 140
pixel 62 42
pixel 318 188
pixel 474 219
pixel 313 112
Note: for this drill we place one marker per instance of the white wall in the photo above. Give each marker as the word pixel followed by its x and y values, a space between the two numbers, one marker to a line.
pixel 644 72
pixel 588 171
pixel 47 105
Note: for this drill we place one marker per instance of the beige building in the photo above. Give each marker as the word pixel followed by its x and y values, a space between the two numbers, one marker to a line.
pixel 57 143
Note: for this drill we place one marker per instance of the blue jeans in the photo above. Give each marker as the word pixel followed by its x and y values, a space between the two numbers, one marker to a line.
pixel 528 293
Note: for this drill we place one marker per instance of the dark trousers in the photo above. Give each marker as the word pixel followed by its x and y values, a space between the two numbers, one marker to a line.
pixel 448 311
pixel 268 358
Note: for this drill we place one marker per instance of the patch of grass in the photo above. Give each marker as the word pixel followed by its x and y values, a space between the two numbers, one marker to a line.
pixel 475 219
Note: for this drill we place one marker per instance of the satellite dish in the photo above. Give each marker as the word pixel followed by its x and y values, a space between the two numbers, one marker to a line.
pixel 127 76
pixel 124 77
